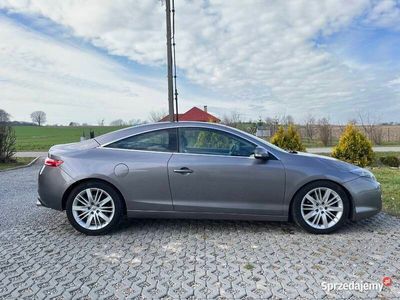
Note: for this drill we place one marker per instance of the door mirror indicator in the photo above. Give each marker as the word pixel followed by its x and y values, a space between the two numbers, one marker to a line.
pixel 261 153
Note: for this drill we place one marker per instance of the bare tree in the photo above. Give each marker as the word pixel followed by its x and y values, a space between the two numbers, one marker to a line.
pixel 233 119
pixel 353 121
pixel 156 116
pixel 118 122
pixel 7 143
pixel 310 126
pixel 325 131
pixel 287 120
pixel 284 120
pixel 38 117
pixel 4 116
pixel 135 122
pixel 272 124
pixel 371 128
pixel 100 122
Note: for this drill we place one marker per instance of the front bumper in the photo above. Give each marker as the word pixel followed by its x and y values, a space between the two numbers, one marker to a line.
pixel 366 196
pixel 52 184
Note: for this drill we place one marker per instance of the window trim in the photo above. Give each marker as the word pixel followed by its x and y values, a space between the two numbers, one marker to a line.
pixel 218 131
pixel 105 146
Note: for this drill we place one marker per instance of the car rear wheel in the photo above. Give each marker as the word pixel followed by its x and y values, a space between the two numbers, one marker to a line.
pixel 321 207
pixel 94 208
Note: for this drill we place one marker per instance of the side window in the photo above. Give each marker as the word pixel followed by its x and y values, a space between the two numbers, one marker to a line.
pixel 161 140
pixel 215 142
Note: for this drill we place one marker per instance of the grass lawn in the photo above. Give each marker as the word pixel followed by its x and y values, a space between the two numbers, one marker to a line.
pixel 390 181
pixel 35 138
pixel 382 154
pixel 20 161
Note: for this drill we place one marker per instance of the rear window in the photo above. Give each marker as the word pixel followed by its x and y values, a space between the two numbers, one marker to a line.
pixel 164 140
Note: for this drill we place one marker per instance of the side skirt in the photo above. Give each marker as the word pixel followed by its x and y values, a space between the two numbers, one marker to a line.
pixel 202 215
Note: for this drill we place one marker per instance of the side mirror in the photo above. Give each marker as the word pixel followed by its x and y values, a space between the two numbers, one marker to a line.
pixel 261 153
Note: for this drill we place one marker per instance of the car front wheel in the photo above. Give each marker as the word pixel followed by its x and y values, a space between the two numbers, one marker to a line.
pixel 321 207
pixel 94 208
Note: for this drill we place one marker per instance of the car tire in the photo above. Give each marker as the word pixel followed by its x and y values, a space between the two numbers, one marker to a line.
pixel 320 213
pixel 98 214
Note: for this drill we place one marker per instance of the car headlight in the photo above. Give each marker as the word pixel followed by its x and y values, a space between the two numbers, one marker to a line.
pixel 363 173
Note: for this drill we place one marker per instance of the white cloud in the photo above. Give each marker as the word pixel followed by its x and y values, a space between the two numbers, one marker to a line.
pixel 260 55
pixel 69 83
pixel 385 13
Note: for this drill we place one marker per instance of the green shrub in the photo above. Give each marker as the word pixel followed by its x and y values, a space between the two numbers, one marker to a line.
pixel 7 143
pixel 288 139
pixel 354 147
pixel 390 160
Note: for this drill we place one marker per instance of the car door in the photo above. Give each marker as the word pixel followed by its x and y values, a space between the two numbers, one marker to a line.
pixel 215 171
pixel 141 168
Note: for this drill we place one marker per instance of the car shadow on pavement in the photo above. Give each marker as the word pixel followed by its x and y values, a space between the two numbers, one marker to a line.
pixel 378 223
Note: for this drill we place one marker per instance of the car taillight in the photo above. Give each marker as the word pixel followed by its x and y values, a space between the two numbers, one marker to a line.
pixel 52 162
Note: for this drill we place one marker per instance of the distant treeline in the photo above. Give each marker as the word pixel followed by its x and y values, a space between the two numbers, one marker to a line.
pixel 18 123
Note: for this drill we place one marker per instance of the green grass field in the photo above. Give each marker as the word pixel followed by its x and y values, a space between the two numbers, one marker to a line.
pixel 390 181
pixel 35 138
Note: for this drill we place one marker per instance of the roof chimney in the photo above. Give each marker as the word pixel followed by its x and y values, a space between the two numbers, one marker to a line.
pixel 205 108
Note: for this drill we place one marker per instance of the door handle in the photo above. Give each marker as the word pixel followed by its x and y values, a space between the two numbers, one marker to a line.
pixel 183 170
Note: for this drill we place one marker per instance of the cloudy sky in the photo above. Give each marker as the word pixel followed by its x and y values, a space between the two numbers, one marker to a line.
pixel 85 60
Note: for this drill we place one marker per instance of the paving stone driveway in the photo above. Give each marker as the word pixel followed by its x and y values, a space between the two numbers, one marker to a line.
pixel 41 256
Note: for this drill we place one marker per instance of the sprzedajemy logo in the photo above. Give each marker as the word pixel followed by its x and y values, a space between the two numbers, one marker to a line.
pixel 360 286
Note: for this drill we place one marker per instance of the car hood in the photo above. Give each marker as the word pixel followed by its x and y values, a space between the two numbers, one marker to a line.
pixel 329 161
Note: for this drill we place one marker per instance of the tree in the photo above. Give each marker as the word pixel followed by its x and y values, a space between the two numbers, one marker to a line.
pixel 233 119
pixel 354 147
pixel 100 122
pixel 325 131
pixel 156 116
pixel 286 120
pixel 38 117
pixel 272 124
pixel 4 116
pixel 371 128
pixel 7 143
pixel 210 139
pixel 118 122
pixel 310 126
pixel 135 122
pixel 288 139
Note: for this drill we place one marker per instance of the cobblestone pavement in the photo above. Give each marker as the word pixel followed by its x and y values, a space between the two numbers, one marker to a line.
pixel 42 256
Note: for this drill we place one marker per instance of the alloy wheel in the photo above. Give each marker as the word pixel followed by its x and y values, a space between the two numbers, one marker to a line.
pixel 322 208
pixel 93 208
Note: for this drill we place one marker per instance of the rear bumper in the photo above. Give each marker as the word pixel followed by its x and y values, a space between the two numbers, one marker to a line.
pixel 367 197
pixel 52 184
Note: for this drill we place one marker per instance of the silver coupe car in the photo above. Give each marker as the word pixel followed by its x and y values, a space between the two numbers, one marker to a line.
pixel 200 170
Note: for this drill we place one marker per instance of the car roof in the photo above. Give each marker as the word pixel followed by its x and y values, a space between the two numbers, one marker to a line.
pixel 125 132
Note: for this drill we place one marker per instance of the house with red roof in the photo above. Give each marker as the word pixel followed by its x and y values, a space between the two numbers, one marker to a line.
pixel 195 114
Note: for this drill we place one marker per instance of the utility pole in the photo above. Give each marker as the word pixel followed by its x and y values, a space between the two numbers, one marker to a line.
pixel 169 62
pixel 174 57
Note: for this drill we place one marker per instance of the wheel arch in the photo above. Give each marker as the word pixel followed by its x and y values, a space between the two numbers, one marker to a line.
pixel 72 186
pixel 351 206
